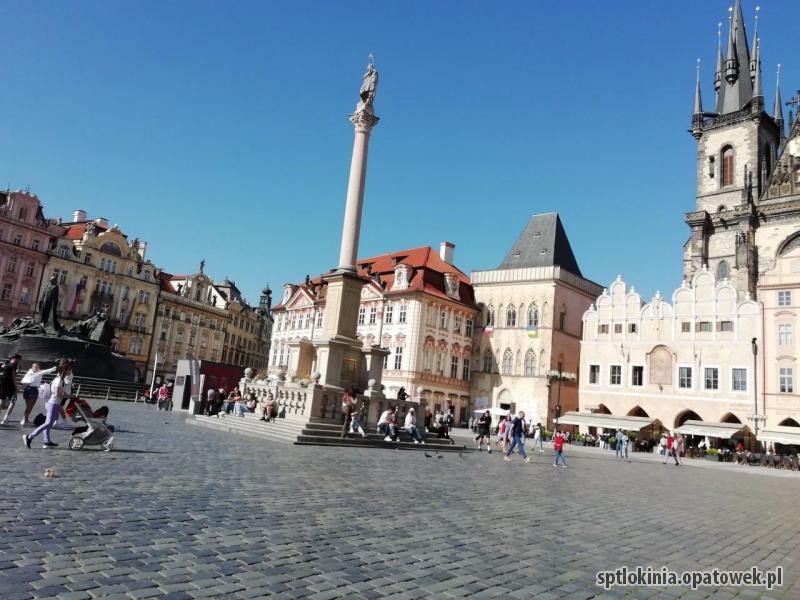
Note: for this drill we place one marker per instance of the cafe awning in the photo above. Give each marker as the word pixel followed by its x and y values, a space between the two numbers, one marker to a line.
pixel 604 420
pixel 724 431
pixel 781 435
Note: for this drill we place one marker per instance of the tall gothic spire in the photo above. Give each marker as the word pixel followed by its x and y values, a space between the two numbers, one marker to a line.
pixel 755 68
pixel 737 88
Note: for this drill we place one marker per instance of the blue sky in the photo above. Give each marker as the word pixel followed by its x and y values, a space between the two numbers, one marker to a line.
pixel 219 130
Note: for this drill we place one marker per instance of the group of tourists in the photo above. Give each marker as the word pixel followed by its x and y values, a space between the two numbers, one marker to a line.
pixel 217 402
pixel 55 395
pixel 511 435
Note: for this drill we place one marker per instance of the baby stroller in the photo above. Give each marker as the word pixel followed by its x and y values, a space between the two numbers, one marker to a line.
pixel 94 432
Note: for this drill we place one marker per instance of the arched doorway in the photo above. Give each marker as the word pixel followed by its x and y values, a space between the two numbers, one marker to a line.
pixel 686 415
pixel 730 418
pixel 637 411
pixel 789 423
pixel 505 400
pixel 602 409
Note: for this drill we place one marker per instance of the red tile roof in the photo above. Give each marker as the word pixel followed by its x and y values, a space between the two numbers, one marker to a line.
pixel 426 274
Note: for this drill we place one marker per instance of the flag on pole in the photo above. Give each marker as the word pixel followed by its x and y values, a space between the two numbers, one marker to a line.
pixel 533 331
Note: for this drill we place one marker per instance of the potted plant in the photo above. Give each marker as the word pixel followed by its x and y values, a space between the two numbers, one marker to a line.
pixel 712 454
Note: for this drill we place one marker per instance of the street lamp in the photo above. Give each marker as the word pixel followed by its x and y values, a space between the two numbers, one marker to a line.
pixel 754 344
pixel 558 376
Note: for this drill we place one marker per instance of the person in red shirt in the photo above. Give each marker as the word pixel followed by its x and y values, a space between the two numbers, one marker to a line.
pixel 668 453
pixel 558 446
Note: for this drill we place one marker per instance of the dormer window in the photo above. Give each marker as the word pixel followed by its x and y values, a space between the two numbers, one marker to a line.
pixel 451 285
pixel 400 277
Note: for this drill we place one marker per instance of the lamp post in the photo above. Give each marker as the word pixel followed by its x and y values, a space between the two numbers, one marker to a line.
pixel 754 344
pixel 558 376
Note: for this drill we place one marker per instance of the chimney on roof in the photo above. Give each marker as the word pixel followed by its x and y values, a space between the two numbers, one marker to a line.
pixel 102 221
pixel 79 215
pixel 446 252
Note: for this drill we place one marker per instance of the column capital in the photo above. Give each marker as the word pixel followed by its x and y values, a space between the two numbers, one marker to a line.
pixel 364 121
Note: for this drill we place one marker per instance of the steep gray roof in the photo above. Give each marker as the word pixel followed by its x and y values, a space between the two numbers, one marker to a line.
pixel 543 243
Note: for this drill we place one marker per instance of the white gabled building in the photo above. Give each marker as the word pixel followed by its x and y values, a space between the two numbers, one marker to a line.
pixel 416 304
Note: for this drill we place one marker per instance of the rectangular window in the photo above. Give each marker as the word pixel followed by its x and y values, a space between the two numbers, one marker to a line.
pixel 465 369
pixel 23 213
pixel 6 295
pixel 637 376
pixel 711 379
pixel 468 328
pixel 398 358
pixel 615 375
pixel 12 264
pixel 385 362
pixel 685 378
pixel 18 240
pixel 725 326
pixel 785 375
pixel 686 327
pixel 144 297
pixel 604 328
pixel 35 244
pixel 785 334
pixel 739 380
pixel 784 298
pixel 388 314
pixel 25 297
pixel 443 319
pixel 401 317
pixel 631 327
pixel 617 327
pixel 362 315
pixel 62 252
pixel 704 326
pixel 319 318
pixel 29 270
pixel 87 260
pixel 594 374
pixel 454 367
pixel 457 320
pixel 373 315
pixel 562 320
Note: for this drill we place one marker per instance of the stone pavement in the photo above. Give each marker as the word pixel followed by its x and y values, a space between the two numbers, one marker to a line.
pixel 183 512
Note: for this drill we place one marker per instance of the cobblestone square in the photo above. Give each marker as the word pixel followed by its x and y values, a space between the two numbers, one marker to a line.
pixel 177 511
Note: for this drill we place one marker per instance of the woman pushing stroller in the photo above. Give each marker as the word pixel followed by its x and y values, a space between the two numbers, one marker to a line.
pixel 56 394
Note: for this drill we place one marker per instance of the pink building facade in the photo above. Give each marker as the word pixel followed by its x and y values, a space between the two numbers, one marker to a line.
pixel 25 236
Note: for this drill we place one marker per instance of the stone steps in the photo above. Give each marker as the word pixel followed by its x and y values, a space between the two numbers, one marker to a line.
pixel 319 432
pixel 282 430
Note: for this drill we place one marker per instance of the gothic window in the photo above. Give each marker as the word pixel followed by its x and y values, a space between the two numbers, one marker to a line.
pixel 135 345
pixel 490 316
pixel 511 316
pixel 487 361
pixel 533 316
pixel 508 362
pixel 530 363
pixel 723 270
pixel 727 166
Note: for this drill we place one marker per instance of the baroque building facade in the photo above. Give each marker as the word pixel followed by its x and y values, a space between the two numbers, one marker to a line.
pixel 25 237
pixel 531 310
pixel 99 269
pixel 416 304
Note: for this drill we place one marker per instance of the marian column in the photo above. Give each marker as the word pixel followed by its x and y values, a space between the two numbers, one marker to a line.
pixel 340 359
pixel 364 120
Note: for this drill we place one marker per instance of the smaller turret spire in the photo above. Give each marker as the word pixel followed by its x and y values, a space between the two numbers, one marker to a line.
pixel 732 61
pixel 720 62
pixel 698 101
pixel 756 66
pixel 754 58
pixel 777 110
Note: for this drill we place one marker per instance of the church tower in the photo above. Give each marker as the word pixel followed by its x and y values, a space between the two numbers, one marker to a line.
pixel 737 144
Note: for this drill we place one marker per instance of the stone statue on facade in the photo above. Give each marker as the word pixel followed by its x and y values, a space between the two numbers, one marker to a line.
pixel 96 328
pixel 91 228
pixel 49 306
pixel 368 88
